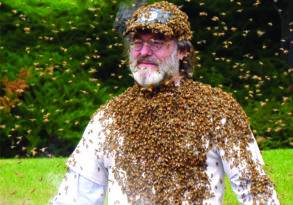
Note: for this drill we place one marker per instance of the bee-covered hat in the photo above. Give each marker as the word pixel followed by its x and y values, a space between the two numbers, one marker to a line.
pixel 162 17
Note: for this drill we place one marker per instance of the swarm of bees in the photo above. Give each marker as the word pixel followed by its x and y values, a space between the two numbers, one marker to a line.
pixel 167 132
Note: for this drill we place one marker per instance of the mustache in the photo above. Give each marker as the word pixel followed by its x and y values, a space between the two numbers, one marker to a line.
pixel 146 59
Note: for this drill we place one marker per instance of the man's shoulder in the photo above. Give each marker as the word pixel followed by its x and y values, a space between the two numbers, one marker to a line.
pixel 206 91
pixel 214 100
pixel 101 115
pixel 104 110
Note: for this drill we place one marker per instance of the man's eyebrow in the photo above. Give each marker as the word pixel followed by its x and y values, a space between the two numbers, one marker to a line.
pixel 156 36
pixel 160 37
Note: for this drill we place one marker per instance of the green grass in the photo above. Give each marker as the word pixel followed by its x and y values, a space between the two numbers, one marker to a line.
pixel 35 181
pixel 29 181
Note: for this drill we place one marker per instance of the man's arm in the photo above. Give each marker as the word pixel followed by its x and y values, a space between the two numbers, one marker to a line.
pixel 86 179
pixel 76 189
pixel 244 185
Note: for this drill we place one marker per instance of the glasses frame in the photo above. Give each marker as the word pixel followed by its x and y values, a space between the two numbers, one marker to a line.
pixel 155 44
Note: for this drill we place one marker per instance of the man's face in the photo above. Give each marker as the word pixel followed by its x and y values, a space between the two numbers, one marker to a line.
pixel 153 58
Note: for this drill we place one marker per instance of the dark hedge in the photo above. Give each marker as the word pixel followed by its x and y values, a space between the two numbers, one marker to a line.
pixel 59 61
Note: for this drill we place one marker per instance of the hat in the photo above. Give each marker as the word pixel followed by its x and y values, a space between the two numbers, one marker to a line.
pixel 160 17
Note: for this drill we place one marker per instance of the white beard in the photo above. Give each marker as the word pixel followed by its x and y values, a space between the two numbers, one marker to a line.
pixel 146 77
pixel 150 77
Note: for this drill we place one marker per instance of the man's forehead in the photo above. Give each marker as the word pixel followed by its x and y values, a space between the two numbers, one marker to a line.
pixel 148 34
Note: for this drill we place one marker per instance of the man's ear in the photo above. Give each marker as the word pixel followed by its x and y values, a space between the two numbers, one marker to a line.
pixel 182 54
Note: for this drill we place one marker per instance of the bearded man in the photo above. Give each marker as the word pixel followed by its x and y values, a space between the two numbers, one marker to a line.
pixel 168 139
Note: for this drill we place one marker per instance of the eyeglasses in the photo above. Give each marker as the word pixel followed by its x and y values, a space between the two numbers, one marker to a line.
pixel 154 44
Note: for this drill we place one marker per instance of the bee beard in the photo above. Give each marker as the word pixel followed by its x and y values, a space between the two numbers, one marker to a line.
pixel 150 77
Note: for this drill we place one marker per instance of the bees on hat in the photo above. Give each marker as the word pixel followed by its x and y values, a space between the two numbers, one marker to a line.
pixel 161 17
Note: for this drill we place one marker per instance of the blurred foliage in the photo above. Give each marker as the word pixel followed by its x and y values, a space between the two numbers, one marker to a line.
pixel 60 60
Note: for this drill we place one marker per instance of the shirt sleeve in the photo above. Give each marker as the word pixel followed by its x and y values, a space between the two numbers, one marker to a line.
pixel 76 189
pixel 88 158
pixel 241 184
pixel 87 177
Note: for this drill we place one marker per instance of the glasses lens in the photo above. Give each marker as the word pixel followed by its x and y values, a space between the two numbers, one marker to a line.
pixel 152 43
pixel 156 44
pixel 137 45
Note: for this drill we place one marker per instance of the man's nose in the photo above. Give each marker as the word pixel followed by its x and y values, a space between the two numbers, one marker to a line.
pixel 146 50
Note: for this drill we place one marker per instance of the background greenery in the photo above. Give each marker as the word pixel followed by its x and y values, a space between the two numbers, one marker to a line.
pixel 60 60
pixel 35 181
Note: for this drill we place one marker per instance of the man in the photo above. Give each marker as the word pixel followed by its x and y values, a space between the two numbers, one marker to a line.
pixel 166 140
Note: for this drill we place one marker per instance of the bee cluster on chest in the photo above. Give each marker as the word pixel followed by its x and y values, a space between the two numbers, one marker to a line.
pixel 167 133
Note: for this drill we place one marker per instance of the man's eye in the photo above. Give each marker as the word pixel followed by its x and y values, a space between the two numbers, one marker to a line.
pixel 137 42
pixel 157 42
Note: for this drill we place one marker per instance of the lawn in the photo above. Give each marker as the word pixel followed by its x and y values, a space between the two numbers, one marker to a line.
pixel 34 181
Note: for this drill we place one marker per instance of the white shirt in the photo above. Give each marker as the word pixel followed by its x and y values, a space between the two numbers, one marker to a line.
pixel 90 174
